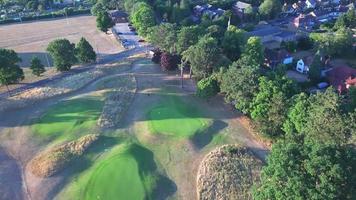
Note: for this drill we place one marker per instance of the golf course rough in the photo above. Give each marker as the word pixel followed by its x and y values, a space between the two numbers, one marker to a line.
pixel 69 119
pixel 173 117
pixel 128 171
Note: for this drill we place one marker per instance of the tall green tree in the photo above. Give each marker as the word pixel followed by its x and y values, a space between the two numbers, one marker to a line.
pixel 103 21
pixel 143 18
pixel 240 84
pixel 63 53
pixel 36 66
pixel 270 105
pixel 203 57
pixel 10 72
pixel 269 9
pixel 254 51
pixel 187 36
pixel 97 8
pixel 233 42
pixel 164 37
pixel 84 51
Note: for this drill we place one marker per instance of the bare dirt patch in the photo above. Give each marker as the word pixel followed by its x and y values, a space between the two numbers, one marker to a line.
pixel 228 172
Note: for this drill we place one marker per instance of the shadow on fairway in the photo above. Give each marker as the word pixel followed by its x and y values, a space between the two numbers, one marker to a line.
pixel 83 162
pixel 145 160
pixel 204 137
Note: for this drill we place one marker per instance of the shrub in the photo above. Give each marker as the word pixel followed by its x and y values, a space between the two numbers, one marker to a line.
pixel 156 56
pixel 169 62
pixel 207 87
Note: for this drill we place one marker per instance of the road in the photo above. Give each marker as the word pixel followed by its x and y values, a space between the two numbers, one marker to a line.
pixel 133 47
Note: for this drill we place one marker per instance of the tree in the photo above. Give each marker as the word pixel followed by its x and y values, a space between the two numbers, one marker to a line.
pixel 269 9
pixel 143 18
pixel 270 105
pixel 36 66
pixel 207 87
pixel 84 51
pixel 63 54
pixel 203 57
pixel 233 42
pixel 254 51
pixel 97 8
pixel 103 21
pixel 315 68
pixel 187 36
pixel 240 84
pixel 169 62
pixel 10 72
pixel 164 37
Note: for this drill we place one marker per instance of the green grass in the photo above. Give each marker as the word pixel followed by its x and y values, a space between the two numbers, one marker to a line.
pixel 69 119
pixel 174 117
pixel 128 171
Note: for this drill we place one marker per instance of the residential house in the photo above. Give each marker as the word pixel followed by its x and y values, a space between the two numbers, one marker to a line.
pixel 269 33
pixel 302 67
pixel 63 2
pixel 199 9
pixel 310 4
pixel 239 8
pixel 342 78
pixel 118 16
pixel 208 10
pixel 305 22
pixel 275 57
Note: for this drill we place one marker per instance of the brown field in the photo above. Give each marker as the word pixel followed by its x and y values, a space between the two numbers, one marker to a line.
pixel 31 38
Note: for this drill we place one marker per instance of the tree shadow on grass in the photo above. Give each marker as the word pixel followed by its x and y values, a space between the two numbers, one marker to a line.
pixel 82 163
pixel 164 187
pixel 204 137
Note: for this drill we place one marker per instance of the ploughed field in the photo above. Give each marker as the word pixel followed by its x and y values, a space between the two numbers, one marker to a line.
pixel 32 38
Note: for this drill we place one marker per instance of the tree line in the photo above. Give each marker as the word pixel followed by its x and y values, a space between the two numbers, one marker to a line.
pixel 64 54
pixel 313 155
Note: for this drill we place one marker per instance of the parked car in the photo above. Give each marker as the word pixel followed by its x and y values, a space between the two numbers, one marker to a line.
pixel 141 40
pixel 119 33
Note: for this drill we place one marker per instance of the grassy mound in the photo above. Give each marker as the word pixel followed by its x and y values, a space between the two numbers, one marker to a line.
pixel 69 117
pixel 228 172
pixel 127 172
pixel 52 161
pixel 176 118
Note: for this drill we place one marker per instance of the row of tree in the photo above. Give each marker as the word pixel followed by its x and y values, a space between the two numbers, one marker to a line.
pixel 63 52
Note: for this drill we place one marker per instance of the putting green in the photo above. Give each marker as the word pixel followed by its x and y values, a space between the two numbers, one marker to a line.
pixel 176 118
pixel 126 172
pixel 69 117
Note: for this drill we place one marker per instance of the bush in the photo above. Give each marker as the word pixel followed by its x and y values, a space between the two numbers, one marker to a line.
pixel 169 62
pixel 156 56
pixel 207 88
pixel 305 43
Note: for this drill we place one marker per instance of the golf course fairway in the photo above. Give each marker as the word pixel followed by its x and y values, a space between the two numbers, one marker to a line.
pixel 176 118
pixel 128 171
pixel 69 117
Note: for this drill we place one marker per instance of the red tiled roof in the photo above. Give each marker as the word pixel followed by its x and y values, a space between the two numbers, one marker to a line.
pixel 342 76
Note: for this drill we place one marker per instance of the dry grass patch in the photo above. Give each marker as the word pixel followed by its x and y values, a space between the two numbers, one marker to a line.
pixel 52 161
pixel 228 172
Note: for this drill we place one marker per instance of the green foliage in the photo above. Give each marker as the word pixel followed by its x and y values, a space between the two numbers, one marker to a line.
pixel 233 42
pixel 254 51
pixel 36 66
pixel 269 9
pixel 187 36
pixel 207 87
pixel 142 18
pixel 297 114
pixel 97 8
pixel 10 72
pixel 84 51
pixel 346 20
pixel 290 46
pixel 240 84
pixel 103 21
pixel 164 37
pixel 63 54
pixel 315 69
pixel 203 57
pixel 269 107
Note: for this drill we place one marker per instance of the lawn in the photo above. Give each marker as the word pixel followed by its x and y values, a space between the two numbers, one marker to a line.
pixel 174 117
pixel 127 171
pixel 69 119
